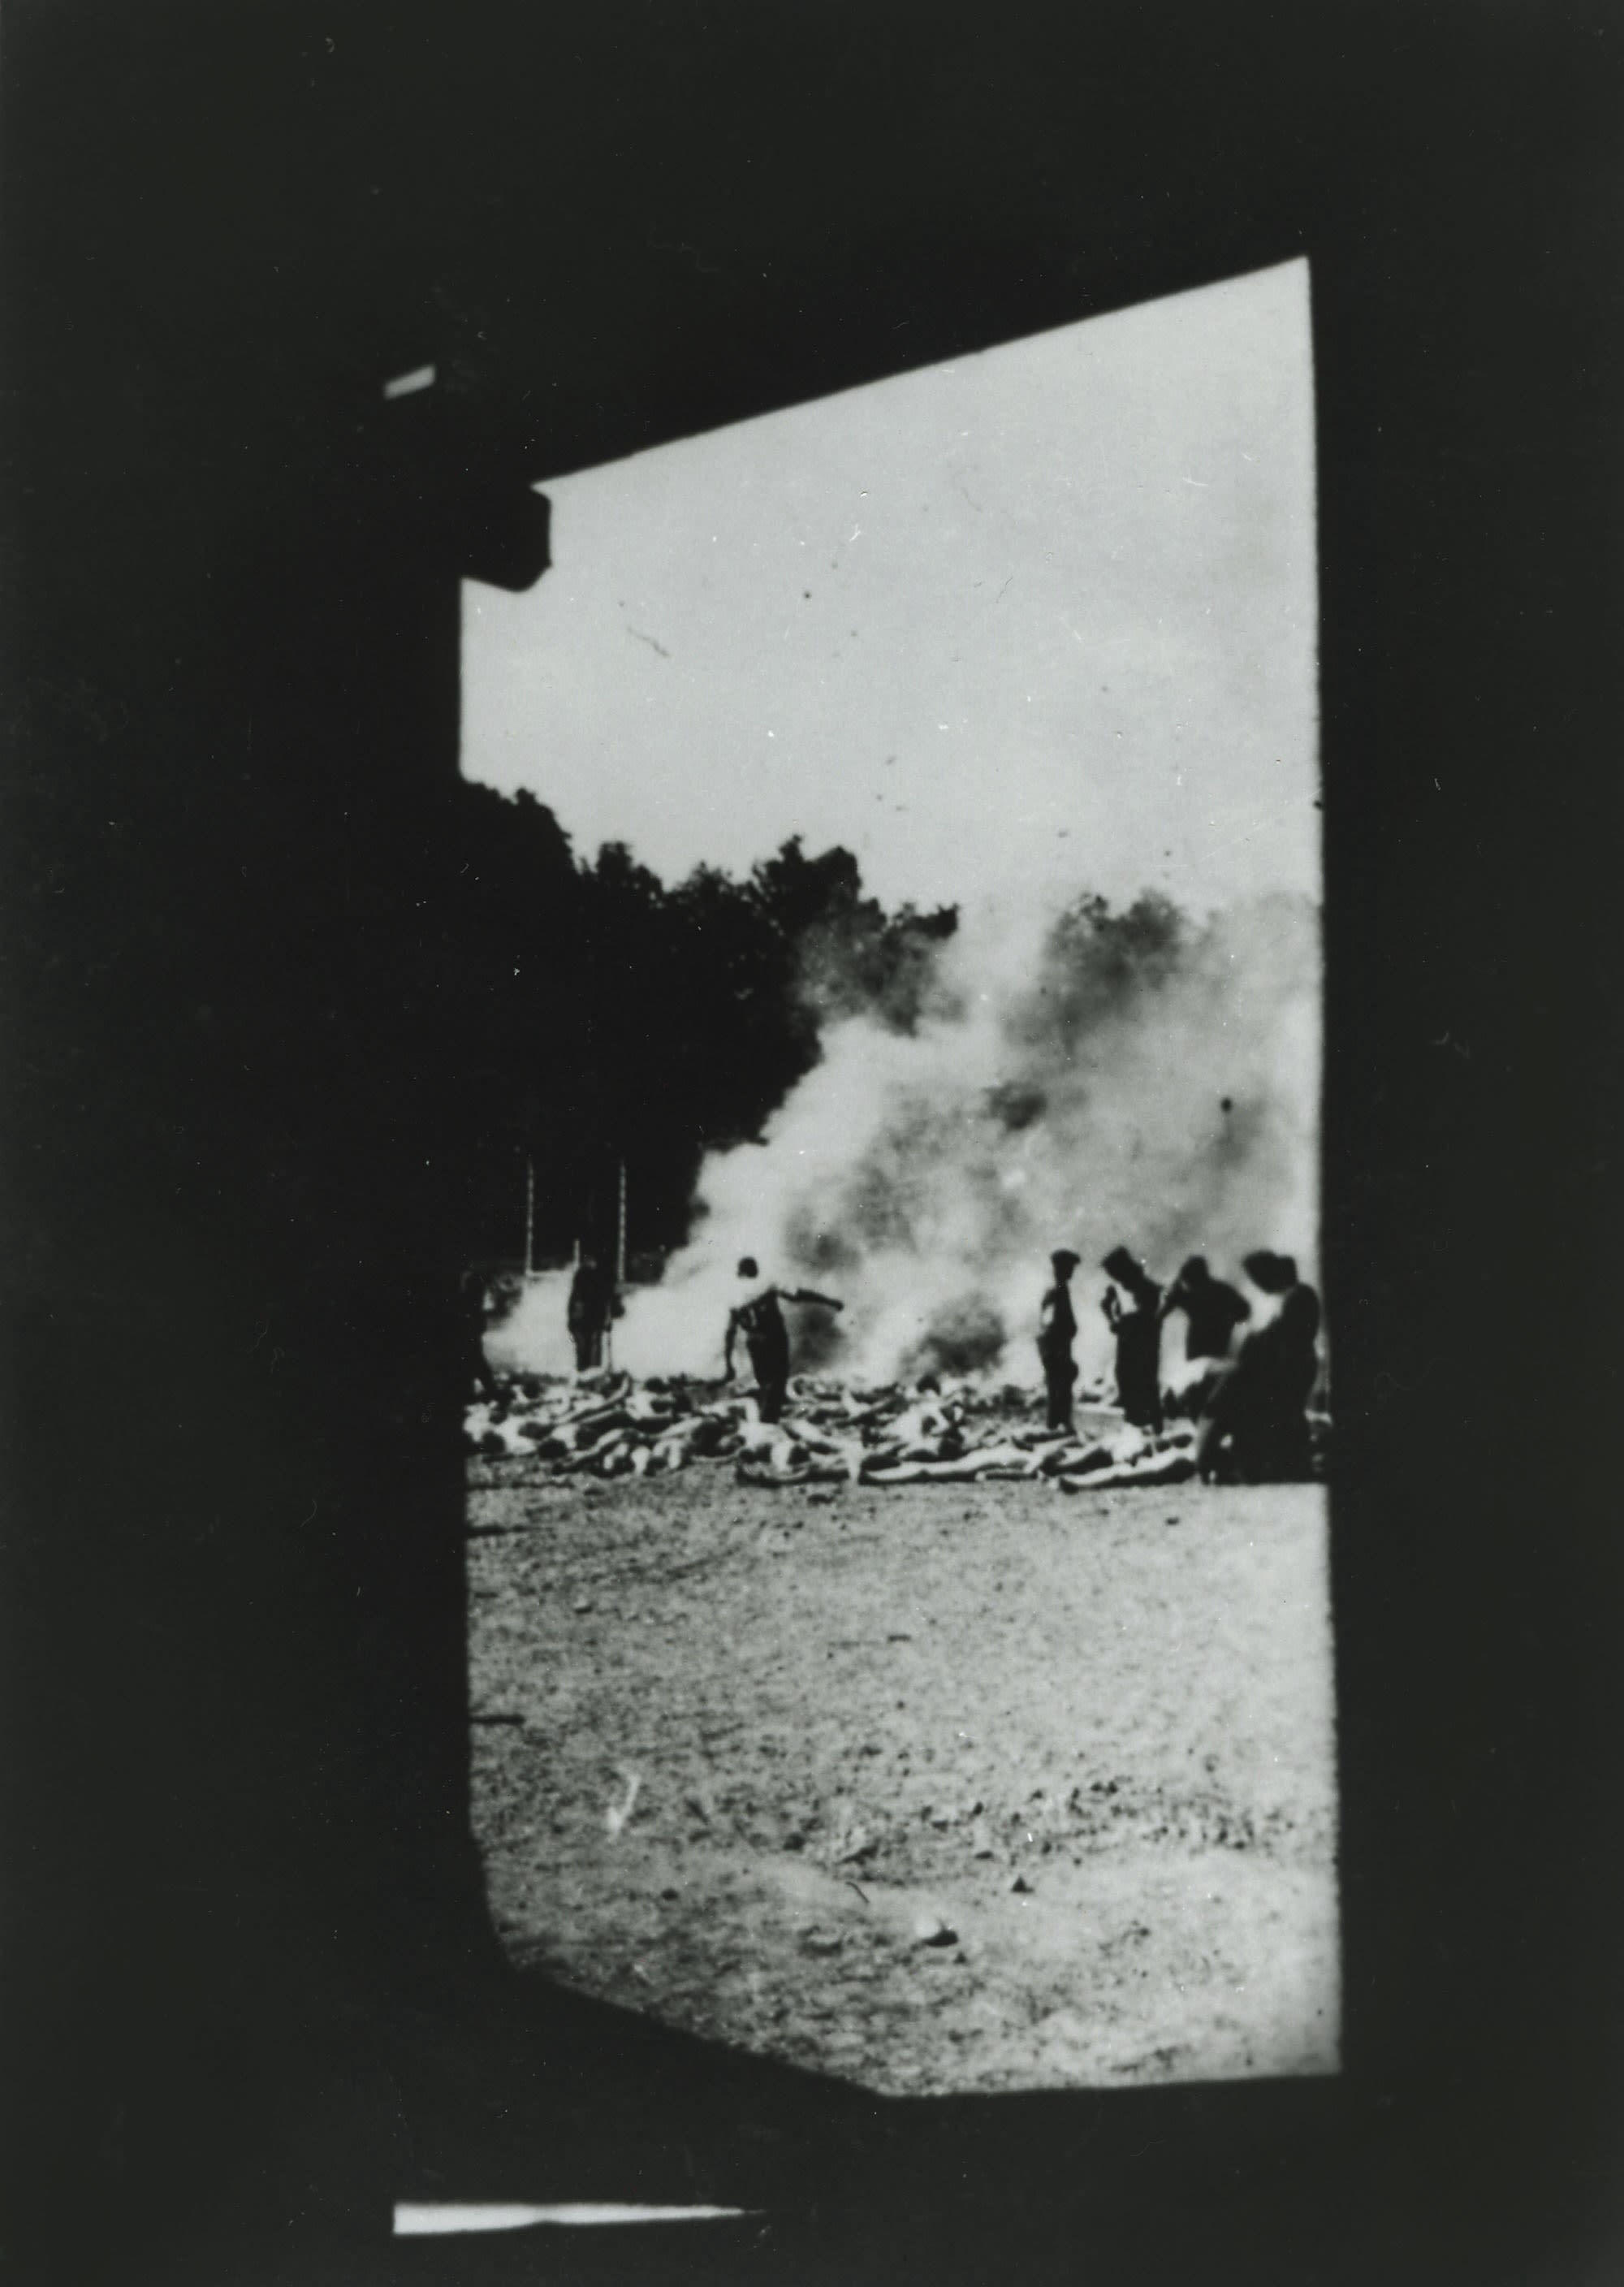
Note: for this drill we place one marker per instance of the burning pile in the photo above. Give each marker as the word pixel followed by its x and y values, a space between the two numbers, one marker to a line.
pixel 946 1432
pixel 1074 1080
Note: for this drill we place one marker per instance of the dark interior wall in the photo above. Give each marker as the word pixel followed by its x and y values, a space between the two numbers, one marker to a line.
pixel 236 1580
pixel 240 1656
pixel 1468 547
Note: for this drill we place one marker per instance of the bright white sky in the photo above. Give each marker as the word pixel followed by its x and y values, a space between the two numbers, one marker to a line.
pixel 1043 616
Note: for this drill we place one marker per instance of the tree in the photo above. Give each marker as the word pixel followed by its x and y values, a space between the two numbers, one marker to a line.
pixel 602 1017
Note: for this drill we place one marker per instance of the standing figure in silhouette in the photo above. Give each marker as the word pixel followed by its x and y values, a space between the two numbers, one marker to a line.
pixel 1057 1327
pixel 758 1317
pixel 1257 1428
pixel 1137 1325
pixel 593 1302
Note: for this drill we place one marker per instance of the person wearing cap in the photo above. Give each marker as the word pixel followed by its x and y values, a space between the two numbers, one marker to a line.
pixel 1057 1328
pixel 1137 1325
pixel 757 1316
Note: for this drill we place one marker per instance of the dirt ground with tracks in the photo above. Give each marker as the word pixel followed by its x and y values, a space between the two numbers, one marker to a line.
pixel 935 1789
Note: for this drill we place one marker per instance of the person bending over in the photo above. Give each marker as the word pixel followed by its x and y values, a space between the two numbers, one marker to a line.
pixel 1212 1311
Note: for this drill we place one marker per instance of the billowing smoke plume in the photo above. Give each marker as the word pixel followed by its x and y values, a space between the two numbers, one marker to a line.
pixel 1086 1079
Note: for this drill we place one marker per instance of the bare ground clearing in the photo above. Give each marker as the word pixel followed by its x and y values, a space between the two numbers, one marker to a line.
pixel 768 1738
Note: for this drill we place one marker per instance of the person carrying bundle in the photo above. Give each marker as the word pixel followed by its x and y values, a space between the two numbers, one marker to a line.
pixel 758 1317
pixel 1057 1329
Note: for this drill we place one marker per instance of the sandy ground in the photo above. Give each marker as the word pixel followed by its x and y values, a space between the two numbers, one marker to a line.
pixel 936 1789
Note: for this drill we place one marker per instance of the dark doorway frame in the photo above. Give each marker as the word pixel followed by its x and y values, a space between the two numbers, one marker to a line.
pixel 233 1338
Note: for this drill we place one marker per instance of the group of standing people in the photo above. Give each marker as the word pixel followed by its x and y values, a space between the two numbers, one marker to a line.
pixel 1248 1390
pixel 1250 1395
pixel 1248 1375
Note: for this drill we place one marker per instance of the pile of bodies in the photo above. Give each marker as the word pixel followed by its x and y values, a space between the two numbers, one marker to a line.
pixel 834 1433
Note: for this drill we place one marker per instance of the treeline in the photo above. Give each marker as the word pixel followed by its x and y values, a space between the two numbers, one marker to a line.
pixel 601 1017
